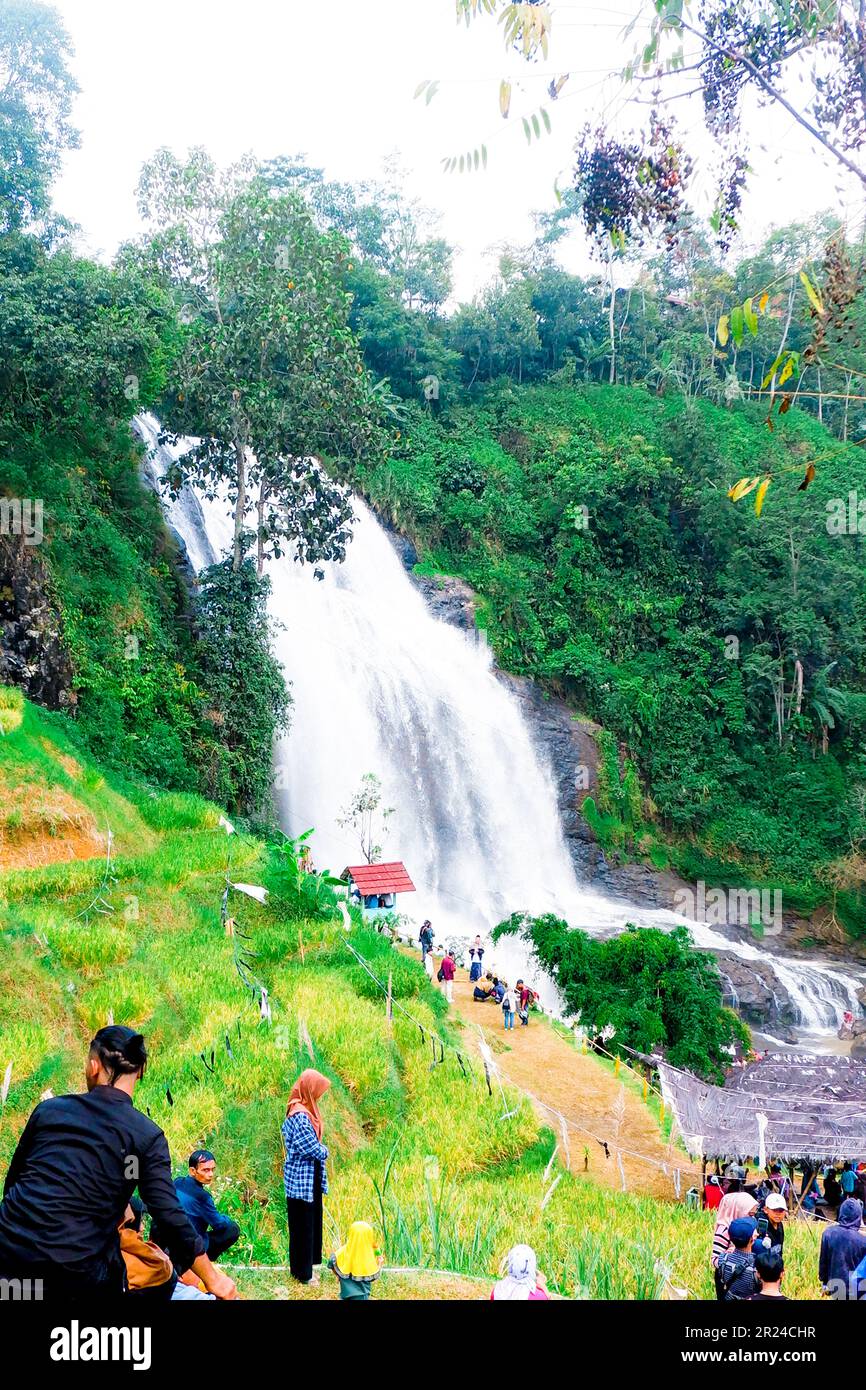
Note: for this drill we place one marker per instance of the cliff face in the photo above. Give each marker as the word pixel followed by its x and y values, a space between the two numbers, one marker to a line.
pixel 32 652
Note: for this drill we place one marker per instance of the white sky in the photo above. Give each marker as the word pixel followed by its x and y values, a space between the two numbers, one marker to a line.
pixel 335 79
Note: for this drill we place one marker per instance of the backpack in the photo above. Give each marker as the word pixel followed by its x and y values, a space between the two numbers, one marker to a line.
pixel 730 1270
pixel 440 974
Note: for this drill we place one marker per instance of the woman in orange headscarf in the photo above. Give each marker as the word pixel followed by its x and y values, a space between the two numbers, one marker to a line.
pixel 304 1173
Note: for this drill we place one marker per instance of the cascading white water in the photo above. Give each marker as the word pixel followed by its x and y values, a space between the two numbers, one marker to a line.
pixel 380 685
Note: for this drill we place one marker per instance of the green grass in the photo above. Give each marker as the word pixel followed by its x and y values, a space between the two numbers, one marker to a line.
pixel 417 1148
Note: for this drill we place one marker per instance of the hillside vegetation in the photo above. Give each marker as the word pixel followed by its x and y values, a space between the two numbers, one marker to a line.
pixel 418 1148
pixel 723 652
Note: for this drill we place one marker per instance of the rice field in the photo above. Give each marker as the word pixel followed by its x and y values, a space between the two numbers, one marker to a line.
pixel 418 1147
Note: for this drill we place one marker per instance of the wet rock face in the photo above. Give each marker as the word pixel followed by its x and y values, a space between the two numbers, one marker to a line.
pixel 450 599
pixel 753 989
pixel 32 653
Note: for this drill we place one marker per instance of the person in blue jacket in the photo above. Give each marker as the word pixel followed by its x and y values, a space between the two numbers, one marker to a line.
pixel 218 1231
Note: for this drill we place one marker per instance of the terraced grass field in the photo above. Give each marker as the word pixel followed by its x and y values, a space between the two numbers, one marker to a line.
pixel 449 1176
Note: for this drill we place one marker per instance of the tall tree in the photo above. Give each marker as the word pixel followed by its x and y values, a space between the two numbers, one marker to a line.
pixel 36 91
pixel 269 375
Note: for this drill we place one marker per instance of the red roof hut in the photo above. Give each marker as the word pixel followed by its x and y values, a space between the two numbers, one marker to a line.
pixel 377 885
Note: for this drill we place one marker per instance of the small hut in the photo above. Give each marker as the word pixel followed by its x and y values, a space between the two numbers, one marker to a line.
pixel 374 887
pixel 791 1107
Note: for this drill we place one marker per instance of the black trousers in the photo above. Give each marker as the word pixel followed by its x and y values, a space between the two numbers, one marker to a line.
pixel 221 1241
pixel 305 1234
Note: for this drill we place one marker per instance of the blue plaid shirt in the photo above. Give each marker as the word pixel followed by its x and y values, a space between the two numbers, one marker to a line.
pixel 302 1151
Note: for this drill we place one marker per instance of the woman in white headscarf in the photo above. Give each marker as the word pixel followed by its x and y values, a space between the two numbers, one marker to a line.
pixel 523 1281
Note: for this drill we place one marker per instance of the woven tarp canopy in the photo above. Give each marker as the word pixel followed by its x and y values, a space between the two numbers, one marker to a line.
pixel 786 1106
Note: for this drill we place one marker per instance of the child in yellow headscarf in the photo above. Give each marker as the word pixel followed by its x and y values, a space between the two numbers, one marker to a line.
pixel 356 1264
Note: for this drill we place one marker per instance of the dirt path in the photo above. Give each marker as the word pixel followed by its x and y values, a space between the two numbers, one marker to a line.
pixel 551 1070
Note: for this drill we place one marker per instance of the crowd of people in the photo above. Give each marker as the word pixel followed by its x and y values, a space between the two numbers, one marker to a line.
pixel 748 1247
pixel 89 1167
pixel 514 1001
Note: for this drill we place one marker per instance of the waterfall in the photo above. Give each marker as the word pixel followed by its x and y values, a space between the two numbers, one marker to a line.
pixel 380 685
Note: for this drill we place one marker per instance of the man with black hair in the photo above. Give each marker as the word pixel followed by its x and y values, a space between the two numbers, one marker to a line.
pixel 218 1232
pixel 78 1162
pixel 769 1267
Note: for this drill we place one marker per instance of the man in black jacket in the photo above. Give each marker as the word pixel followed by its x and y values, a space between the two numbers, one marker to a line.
pixel 77 1164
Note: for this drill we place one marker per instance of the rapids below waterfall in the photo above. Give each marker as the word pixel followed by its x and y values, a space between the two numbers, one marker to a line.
pixel 380 685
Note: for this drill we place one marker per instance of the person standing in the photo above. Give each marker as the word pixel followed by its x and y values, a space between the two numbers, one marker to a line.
pixel 447 971
pixel 425 936
pixel 733 1206
pixel 356 1263
pixel 507 1006
pixel 843 1247
pixel 848 1180
pixel 736 1277
pixel 68 1186
pixel 769 1267
pixel 773 1238
pixel 526 997
pixel 476 957
pixel 304 1174
pixel 429 965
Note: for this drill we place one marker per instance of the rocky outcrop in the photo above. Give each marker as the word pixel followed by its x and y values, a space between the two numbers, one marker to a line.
pixel 32 652
pixel 753 989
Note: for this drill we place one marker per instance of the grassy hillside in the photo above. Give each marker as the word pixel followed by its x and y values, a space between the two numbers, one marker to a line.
pixel 419 1149
pixel 724 652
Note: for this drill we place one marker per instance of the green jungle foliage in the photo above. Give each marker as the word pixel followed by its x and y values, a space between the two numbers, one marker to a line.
pixel 593 523
pixel 651 986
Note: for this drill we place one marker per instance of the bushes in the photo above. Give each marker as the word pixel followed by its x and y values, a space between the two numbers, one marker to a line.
pixel 250 700
pixel 653 987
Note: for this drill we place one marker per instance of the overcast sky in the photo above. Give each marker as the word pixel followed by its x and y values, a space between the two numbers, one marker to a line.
pixel 335 79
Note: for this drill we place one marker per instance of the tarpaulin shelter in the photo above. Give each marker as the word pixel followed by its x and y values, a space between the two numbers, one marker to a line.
pixel 789 1106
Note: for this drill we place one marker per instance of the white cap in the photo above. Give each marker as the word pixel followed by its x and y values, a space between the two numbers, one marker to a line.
pixel 775 1202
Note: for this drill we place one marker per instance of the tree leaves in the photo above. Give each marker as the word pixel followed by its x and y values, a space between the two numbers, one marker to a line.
pixel 813 296
pixel 743 488
pixel 746 485
pixel 504 98
pixel 429 87
pixel 466 163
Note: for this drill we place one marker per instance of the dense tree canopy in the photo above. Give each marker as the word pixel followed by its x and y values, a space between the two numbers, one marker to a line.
pixel 649 986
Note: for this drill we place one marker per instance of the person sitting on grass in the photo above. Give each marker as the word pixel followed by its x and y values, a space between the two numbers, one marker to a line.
pixel 769 1267
pixel 523 1281
pixel 736 1273
pixel 78 1162
pixel 218 1231
pixel 150 1275
pixel 356 1263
